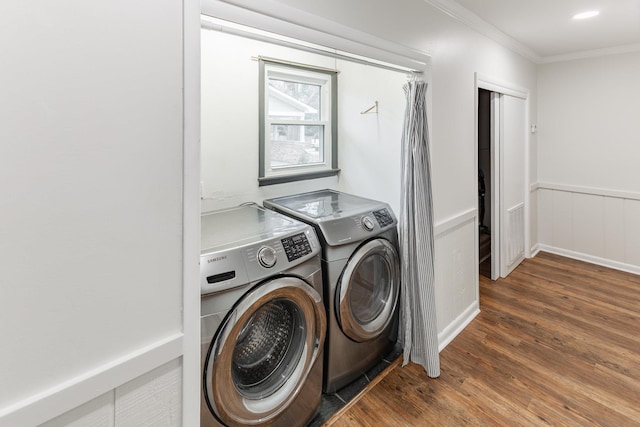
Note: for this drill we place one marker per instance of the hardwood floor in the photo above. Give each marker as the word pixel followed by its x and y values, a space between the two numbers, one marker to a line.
pixel 556 343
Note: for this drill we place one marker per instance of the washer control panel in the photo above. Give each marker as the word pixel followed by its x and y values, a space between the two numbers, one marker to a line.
pixel 280 253
pixel 232 268
pixel 296 246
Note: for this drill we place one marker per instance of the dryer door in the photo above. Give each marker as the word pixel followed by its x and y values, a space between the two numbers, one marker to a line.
pixel 262 353
pixel 368 290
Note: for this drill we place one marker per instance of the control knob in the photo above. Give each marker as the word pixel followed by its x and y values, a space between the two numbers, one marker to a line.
pixel 367 223
pixel 267 257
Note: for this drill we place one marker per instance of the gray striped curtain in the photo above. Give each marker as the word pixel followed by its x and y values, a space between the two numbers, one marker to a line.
pixel 418 308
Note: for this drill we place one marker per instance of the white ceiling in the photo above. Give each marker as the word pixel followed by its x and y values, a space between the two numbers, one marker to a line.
pixel 545 27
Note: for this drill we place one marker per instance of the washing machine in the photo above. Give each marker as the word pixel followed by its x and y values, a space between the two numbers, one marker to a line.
pixel 361 274
pixel 263 322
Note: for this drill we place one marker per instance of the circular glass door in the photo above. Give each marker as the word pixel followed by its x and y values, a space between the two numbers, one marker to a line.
pixel 368 289
pixel 263 352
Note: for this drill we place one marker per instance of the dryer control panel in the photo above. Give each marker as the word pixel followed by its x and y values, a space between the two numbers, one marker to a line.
pixel 383 217
pixel 345 230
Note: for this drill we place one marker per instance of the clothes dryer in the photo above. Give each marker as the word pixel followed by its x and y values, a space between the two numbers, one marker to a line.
pixel 263 323
pixel 361 274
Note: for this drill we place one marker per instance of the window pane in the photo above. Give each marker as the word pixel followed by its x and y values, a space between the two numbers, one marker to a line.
pixel 293 101
pixel 294 145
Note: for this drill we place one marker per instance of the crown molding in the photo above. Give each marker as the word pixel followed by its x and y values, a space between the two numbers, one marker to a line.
pixel 473 21
pixel 595 53
pixel 286 17
pixel 458 12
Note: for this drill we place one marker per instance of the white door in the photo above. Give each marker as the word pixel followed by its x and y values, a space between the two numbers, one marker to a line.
pixel 509 174
pixel 512 172
pixel 495 185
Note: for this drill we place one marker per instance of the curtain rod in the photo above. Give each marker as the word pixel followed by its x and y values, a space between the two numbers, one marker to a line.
pixel 216 26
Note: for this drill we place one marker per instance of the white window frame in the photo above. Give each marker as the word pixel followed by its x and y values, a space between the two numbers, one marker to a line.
pixel 327 80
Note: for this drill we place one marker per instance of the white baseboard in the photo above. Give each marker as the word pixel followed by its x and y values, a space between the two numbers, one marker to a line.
pixel 535 249
pixel 66 396
pixel 455 327
pixel 629 268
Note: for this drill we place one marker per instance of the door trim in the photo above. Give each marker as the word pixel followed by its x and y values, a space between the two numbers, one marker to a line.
pixel 493 84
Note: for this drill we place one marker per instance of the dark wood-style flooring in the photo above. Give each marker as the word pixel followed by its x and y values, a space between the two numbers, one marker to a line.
pixel 556 343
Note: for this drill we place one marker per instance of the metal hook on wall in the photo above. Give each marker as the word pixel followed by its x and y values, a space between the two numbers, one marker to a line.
pixel 369 110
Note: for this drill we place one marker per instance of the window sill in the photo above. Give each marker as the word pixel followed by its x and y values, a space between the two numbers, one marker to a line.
pixel 272 180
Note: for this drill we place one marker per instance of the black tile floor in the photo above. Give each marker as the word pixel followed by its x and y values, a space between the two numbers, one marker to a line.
pixel 333 402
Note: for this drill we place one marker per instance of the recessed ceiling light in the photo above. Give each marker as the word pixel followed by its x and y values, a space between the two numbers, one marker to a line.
pixel 585 15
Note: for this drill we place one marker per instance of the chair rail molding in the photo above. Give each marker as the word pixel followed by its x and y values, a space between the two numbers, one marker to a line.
pixel 71 394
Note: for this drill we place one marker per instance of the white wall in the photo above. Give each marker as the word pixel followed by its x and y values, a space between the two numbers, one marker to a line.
pixel 370 144
pixel 457 52
pixel 230 127
pixel 587 121
pixel 229 136
pixel 589 180
pixel 91 180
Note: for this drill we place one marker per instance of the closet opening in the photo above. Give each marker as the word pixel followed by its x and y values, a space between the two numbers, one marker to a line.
pixel 484 182
pixel 502 147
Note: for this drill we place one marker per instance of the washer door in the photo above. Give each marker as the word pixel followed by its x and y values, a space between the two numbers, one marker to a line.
pixel 263 352
pixel 368 290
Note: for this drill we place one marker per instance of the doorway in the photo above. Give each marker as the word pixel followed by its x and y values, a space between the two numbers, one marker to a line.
pixel 502 169
pixel 484 182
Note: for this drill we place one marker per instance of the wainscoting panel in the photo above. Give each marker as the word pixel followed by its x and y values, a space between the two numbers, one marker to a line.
pixel 456 269
pixel 632 231
pixel 98 412
pixel 151 400
pixel 545 216
pixel 588 223
pixel 562 220
pixel 594 225
pixel 533 219
pixel 614 246
pixel 87 399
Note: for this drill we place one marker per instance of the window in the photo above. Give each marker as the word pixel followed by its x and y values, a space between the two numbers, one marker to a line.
pixel 298 122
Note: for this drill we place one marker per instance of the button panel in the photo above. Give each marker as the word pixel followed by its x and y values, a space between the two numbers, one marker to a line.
pixel 383 217
pixel 296 246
